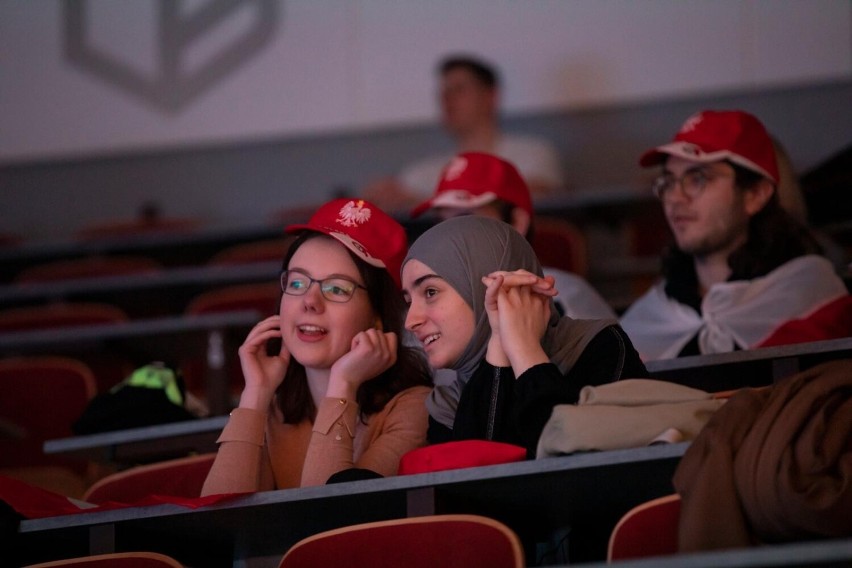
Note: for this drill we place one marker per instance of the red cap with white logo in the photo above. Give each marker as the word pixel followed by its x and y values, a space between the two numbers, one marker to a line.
pixel 474 179
pixel 711 136
pixel 373 235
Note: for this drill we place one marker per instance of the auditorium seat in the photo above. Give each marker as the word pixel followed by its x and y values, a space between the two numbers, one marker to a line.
pixel 42 397
pixel 262 298
pixel 10 239
pixel 649 529
pixel 114 560
pixel 129 228
pixel 267 250
pixel 449 541
pixel 179 477
pixel 60 314
pixel 109 369
pixel 87 267
pixel 560 244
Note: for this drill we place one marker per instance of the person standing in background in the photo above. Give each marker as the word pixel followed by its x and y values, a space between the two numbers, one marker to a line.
pixel 469 102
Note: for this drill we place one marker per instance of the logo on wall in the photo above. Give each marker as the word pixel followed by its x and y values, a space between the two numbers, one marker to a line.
pixel 173 86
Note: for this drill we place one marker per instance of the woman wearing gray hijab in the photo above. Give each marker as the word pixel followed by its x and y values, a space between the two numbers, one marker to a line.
pixel 479 305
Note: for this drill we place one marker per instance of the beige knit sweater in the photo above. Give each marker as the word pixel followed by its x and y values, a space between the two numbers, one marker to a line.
pixel 258 452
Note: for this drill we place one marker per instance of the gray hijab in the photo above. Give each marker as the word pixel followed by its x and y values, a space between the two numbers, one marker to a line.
pixel 461 251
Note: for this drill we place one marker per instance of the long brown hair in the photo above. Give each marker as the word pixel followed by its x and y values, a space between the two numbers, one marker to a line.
pixel 293 395
pixel 774 237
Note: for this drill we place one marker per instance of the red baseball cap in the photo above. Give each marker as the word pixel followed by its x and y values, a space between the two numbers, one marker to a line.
pixel 373 235
pixel 710 136
pixel 474 179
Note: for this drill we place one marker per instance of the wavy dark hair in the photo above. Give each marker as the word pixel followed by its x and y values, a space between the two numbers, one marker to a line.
pixel 505 210
pixel 486 74
pixel 774 237
pixel 293 396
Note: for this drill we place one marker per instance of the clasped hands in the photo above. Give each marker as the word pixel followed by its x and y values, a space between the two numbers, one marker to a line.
pixel 518 307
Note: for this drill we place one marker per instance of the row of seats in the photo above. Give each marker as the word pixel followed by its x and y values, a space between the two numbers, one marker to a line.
pixel 555 238
pixel 559 244
pixel 649 529
pixel 259 297
pixel 97 266
pixel 109 367
pixel 44 395
pixel 148 223
pixel 450 541
pixel 151 221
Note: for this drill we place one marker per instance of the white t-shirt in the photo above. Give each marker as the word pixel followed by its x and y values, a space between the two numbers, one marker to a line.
pixel 577 298
pixel 535 160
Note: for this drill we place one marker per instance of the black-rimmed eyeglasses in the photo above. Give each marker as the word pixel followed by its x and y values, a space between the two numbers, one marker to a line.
pixel 337 289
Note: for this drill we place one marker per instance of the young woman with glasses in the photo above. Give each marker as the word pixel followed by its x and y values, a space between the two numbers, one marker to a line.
pixel 330 387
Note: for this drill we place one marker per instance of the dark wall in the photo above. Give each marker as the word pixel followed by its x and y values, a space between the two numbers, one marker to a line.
pixel 244 184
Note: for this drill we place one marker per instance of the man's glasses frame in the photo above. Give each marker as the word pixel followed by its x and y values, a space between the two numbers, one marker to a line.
pixel 692 182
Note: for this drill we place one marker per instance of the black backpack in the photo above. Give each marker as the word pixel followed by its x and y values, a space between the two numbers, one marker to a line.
pixel 153 394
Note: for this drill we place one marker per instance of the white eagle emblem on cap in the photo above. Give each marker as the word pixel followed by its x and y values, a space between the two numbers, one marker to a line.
pixel 353 214
pixel 692 122
pixel 455 168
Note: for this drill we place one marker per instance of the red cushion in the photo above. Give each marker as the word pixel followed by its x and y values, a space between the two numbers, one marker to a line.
pixel 458 455
pixel 34 502
pixel 445 541
pixel 649 529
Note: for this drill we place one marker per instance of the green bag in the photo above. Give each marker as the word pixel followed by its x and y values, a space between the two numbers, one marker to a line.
pixel 153 394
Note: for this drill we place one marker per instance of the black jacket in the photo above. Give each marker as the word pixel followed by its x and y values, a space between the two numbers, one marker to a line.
pixel 496 406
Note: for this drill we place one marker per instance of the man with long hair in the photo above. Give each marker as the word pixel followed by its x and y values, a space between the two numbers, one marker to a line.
pixel 740 266
pixel 469 101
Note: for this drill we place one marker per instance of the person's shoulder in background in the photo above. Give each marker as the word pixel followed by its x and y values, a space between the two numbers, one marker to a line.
pixel 577 298
pixel 536 159
pixel 414 184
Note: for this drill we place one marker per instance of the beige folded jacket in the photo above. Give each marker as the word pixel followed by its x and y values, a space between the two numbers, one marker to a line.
pixel 626 414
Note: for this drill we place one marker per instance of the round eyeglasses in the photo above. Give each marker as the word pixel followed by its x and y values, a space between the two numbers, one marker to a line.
pixel 336 289
pixel 692 183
